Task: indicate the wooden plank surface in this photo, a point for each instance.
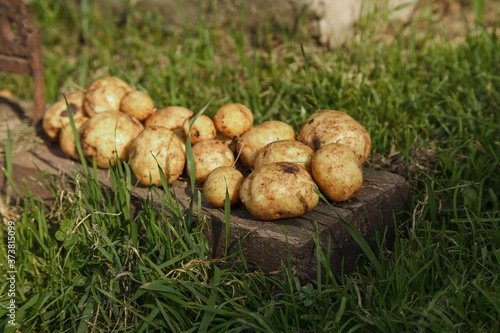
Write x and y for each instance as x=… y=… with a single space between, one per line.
x=382 y=203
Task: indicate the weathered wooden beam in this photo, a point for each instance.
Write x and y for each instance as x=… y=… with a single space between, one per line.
x=21 y=49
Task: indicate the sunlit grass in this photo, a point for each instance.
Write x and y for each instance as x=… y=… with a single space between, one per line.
x=101 y=262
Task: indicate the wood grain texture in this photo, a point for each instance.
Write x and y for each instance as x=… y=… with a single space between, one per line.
x=21 y=49
x=382 y=204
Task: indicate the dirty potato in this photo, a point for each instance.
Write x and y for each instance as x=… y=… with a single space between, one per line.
x=105 y=95
x=337 y=171
x=285 y=151
x=252 y=141
x=138 y=104
x=67 y=140
x=279 y=190
x=171 y=117
x=107 y=135
x=208 y=155
x=57 y=115
x=216 y=183
x=330 y=126
x=232 y=120
x=202 y=129
x=156 y=146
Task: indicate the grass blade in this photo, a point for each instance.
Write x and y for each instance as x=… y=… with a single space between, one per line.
x=358 y=238
x=209 y=315
x=76 y=136
x=85 y=318
x=308 y=75
x=227 y=218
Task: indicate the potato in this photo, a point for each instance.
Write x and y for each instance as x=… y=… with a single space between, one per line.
x=216 y=183
x=208 y=155
x=171 y=117
x=107 y=134
x=156 y=145
x=202 y=129
x=232 y=120
x=67 y=140
x=337 y=171
x=252 y=141
x=285 y=151
x=105 y=95
x=279 y=190
x=138 y=104
x=57 y=115
x=330 y=126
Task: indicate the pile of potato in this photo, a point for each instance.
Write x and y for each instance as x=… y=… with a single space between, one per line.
x=116 y=121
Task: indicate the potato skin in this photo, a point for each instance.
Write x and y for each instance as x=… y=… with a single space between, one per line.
x=202 y=129
x=138 y=104
x=106 y=134
x=232 y=120
x=105 y=95
x=156 y=145
x=330 y=126
x=279 y=190
x=228 y=142
x=171 y=117
x=285 y=151
x=214 y=187
x=208 y=155
x=67 y=140
x=57 y=115
x=252 y=141
x=337 y=171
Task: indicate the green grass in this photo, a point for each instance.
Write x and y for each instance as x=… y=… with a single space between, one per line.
x=96 y=262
